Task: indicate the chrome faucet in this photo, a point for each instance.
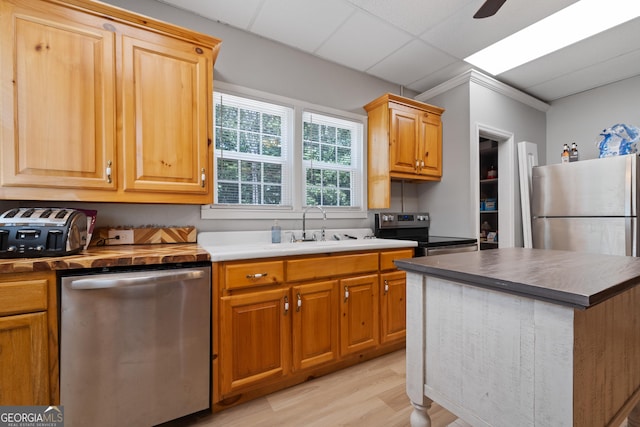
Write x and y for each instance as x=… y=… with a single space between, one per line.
x=304 y=216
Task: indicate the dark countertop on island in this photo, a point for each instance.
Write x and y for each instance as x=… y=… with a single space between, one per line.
x=110 y=256
x=568 y=278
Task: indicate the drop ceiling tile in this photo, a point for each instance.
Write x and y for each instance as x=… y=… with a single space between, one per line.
x=362 y=42
x=410 y=63
x=613 y=70
x=225 y=11
x=413 y=16
x=304 y=24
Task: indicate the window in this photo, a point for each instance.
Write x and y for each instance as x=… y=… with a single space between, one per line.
x=330 y=160
x=274 y=156
x=252 y=140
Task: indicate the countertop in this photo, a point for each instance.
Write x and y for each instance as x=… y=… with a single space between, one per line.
x=110 y=256
x=568 y=278
x=228 y=246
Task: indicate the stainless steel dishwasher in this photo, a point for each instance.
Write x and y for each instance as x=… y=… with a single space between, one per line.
x=135 y=345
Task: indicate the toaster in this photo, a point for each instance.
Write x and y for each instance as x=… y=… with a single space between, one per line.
x=39 y=232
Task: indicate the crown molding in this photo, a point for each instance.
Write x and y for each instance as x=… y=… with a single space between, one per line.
x=474 y=76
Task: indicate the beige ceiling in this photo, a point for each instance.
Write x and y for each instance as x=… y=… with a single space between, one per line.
x=419 y=44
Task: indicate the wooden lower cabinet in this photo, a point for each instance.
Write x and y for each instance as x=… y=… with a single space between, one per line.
x=255 y=344
x=282 y=321
x=393 y=307
x=28 y=339
x=359 y=317
x=315 y=324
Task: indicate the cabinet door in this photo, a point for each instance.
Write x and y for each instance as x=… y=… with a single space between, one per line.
x=404 y=135
x=24 y=374
x=430 y=147
x=393 y=307
x=57 y=78
x=166 y=93
x=315 y=324
x=255 y=343
x=359 y=314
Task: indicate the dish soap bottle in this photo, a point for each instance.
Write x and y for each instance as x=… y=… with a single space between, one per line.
x=276 y=232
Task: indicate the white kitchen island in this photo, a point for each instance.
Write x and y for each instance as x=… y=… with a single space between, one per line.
x=524 y=337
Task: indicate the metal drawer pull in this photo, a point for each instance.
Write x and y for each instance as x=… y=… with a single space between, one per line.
x=299 y=302
x=203 y=177
x=256 y=276
x=386 y=287
x=286 y=305
x=346 y=293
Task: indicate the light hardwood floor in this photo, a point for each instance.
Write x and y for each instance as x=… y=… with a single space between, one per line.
x=371 y=394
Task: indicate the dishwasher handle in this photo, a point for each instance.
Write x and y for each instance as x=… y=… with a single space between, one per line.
x=122 y=282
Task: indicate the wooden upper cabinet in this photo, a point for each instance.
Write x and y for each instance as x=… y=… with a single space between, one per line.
x=404 y=143
x=166 y=118
x=58 y=98
x=100 y=104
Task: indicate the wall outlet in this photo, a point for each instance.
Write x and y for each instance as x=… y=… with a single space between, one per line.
x=120 y=237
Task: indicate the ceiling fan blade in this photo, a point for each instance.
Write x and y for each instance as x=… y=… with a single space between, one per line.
x=489 y=8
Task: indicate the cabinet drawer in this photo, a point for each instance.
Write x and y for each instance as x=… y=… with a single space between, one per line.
x=319 y=267
x=250 y=274
x=386 y=258
x=23 y=296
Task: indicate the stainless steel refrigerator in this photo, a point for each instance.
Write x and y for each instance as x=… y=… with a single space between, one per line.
x=587 y=206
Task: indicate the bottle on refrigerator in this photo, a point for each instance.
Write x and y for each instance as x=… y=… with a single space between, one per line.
x=565 y=154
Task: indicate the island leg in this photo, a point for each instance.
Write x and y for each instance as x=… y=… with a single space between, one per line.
x=634 y=417
x=420 y=415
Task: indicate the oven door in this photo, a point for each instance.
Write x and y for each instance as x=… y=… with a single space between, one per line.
x=441 y=250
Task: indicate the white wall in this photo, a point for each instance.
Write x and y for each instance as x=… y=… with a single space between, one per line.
x=452 y=202
x=447 y=201
x=580 y=118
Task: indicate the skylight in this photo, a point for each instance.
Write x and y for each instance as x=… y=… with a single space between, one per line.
x=579 y=21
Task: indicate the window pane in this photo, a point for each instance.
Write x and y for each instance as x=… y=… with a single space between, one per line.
x=329 y=197
x=272 y=194
x=344 y=156
x=272 y=146
x=313 y=176
x=344 y=137
x=227 y=193
x=328 y=134
x=344 y=179
x=251 y=171
x=227 y=170
x=271 y=124
x=250 y=120
x=228 y=117
x=272 y=173
x=313 y=196
x=250 y=194
x=227 y=140
x=328 y=153
x=329 y=178
x=249 y=143
x=344 y=197
x=311 y=151
x=311 y=132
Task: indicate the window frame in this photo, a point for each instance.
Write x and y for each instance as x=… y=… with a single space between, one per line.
x=296 y=175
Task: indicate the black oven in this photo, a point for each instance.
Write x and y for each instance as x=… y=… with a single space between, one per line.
x=415 y=226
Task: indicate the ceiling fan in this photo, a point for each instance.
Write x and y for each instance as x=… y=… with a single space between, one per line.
x=489 y=8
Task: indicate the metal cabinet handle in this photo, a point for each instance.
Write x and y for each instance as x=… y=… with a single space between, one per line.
x=256 y=275
x=286 y=305
x=122 y=282
x=346 y=293
x=299 y=302
x=203 y=177
x=386 y=286
x=108 y=171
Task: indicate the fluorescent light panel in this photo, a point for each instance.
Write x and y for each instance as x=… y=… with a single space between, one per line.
x=576 y=22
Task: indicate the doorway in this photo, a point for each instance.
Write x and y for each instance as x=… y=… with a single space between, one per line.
x=493 y=179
